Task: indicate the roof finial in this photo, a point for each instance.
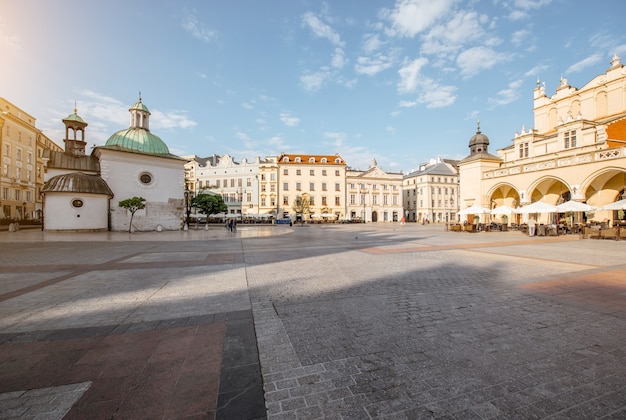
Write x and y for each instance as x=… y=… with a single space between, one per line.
x=75 y=110
x=139 y=96
x=478 y=129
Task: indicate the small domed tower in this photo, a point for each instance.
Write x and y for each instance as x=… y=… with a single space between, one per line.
x=74 y=124
x=479 y=143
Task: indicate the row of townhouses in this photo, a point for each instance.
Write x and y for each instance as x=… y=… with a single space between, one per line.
x=576 y=151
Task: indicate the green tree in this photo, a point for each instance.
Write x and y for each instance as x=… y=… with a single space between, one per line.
x=132 y=205
x=302 y=206
x=209 y=204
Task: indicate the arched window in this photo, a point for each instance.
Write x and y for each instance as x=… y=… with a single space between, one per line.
x=298 y=159
x=311 y=160
x=323 y=160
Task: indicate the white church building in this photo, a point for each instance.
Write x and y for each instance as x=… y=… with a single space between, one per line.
x=82 y=192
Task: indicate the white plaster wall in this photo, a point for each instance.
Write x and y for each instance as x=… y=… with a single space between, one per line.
x=60 y=215
x=164 y=195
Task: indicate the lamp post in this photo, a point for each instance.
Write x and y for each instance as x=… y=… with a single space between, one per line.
x=188 y=198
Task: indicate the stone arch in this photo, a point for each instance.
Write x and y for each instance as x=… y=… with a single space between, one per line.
x=549 y=189
x=503 y=194
x=604 y=186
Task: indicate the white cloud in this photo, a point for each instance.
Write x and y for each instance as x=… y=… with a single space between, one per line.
x=583 y=64
x=338 y=60
x=191 y=25
x=463 y=28
x=337 y=137
x=437 y=96
x=249 y=105
x=314 y=81
x=289 y=120
x=518 y=37
x=476 y=59
x=375 y=64
x=409 y=75
x=171 y=119
x=506 y=96
x=372 y=42
x=410 y=17
x=320 y=29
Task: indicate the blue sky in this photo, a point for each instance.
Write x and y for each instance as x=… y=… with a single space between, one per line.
x=397 y=81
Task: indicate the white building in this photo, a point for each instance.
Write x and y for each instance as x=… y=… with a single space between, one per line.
x=374 y=195
x=431 y=193
x=82 y=192
x=236 y=182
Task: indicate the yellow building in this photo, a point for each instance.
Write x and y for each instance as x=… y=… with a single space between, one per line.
x=22 y=174
x=576 y=151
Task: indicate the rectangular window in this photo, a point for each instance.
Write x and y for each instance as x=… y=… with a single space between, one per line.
x=240 y=182
x=263 y=202
x=272 y=177
x=323 y=186
x=323 y=172
x=248 y=197
x=217 y=183
x=285 y=186
x=285 y=200
x=18 y=194
x=337 y=186
x=248 y=182
x=312 y=200
x=273 y=188
x=18 y=155
x=324 y=201
x=337 y=201
x=375 y=199
x=569 y=139
x=298 y=172
x=5 y=193
x=263 y=188
x=352 y=199
x=336 y=172
x=5 y=169
x=385 y=199
x=262 y=177
x=298 y=186
x=285 y=171
x=312 y=172
x=7 y=149
x=311 y=186
x=29 y=158
x=273 y=201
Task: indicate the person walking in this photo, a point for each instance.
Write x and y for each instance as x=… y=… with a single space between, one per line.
x=531 y=226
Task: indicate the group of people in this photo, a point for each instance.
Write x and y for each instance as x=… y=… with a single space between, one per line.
x=231 y=224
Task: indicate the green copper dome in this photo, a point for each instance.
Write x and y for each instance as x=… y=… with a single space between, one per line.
x=138 y=140
x=74 y=117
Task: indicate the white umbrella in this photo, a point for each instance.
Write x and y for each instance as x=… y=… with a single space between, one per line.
x=506 y=210
x=537 y=207
x=474 y=210
x=574 y=206
x=618 y=205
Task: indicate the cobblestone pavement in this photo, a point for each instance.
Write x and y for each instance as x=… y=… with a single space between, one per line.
x=350 y=321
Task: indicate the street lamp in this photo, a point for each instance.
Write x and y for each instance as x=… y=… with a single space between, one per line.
x=188 y=198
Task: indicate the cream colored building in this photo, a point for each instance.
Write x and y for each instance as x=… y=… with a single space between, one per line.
x=576 y=151
x=319 y=178
x=374 y=195
x=431 y=194
x=21 y=174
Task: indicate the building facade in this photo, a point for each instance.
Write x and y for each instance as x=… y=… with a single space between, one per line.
x=82 y=192
x=576 y=151
x=373 y=195
x=431 y=194
x=236 y=182
x=317 y=180
x=21 y=175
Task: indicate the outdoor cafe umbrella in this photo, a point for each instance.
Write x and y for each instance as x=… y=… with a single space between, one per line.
x=574 y=206
x=500 y=210
x=536 y=207
x=474 y=210
x=617 y=205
